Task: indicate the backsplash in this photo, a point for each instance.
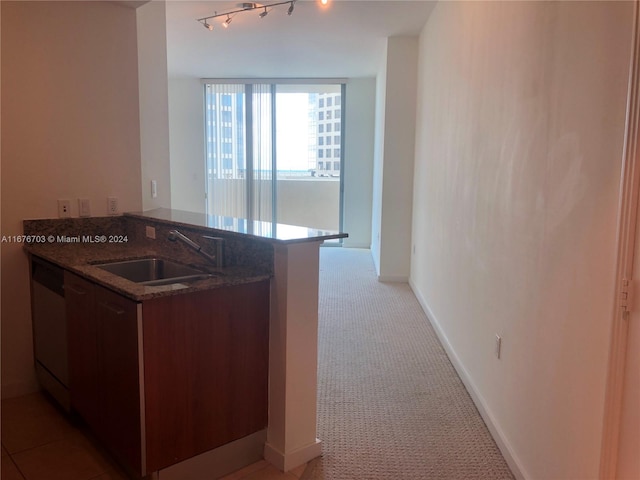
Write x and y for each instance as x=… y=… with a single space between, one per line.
x=238 y=251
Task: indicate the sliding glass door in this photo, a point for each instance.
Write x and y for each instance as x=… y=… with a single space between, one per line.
x=274 y=152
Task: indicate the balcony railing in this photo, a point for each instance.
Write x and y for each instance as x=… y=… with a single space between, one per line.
x=308 y=201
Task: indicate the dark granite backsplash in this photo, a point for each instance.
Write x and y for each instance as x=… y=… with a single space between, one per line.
x=73 y=227
x=237 y=251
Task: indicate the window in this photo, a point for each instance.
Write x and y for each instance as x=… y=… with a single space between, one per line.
x=336 y=153
x=336 y=127
x=336 y=166
x=336 y=113
x=252 y=167
x=338 y=100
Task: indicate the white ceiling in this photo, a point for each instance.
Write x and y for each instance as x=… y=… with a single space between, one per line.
x=345 y=39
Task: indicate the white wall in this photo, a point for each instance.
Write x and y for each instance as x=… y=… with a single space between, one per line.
x=186 y=128
x=69 y=128
x=358 y=161
x=154 y=115
x=378 y=160
x=398 y=153
x=393 y=159
x=521 y=112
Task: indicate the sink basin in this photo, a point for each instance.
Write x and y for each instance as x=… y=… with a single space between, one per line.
x=154 y=271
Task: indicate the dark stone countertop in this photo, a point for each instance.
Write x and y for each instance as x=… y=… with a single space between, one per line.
x=275 y=233
x=81 y=259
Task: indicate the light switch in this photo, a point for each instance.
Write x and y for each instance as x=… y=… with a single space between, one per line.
x=84 y=207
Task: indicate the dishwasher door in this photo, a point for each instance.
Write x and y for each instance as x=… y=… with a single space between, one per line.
x=50 y=329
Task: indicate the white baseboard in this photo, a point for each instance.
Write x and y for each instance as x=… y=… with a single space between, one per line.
x=393 y=278
x=291 y=460
x=219 y=461
x=496 y=432
x=365 y=246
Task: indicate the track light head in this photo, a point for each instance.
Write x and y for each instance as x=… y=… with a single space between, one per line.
x=265 y=9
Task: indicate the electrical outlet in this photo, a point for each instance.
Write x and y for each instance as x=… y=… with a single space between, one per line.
x=150 y=232
x=64 y=208
x=154 y=189
x=112 y=205
x=84 y=207
x=498 y=346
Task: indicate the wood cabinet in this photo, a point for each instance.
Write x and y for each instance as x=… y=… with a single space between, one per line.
x=103 y=366
x=198 y=361
x=206 y=360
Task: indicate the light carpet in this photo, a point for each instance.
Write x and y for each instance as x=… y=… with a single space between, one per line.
x=390 y=404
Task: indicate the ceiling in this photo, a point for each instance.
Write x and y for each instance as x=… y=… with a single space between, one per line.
x=345 y=39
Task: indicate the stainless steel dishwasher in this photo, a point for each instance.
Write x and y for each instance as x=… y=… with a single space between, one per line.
x=50 y=329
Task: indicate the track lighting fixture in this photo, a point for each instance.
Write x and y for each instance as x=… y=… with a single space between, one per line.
x=247 y=7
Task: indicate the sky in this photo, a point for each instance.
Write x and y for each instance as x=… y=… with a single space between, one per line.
x=292 y=131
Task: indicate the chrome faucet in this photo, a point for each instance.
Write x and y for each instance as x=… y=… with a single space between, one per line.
x=217 y=260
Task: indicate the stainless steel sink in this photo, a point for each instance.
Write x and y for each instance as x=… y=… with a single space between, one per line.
x=154 y=271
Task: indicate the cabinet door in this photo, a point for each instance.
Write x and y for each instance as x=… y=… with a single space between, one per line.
x=117 y=319
x=206 y=358
x=82 y=340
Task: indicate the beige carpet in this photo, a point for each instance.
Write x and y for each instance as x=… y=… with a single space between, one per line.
x=390 y=404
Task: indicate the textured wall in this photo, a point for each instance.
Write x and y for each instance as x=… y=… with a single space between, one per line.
x=521 y=111
x=69 y=129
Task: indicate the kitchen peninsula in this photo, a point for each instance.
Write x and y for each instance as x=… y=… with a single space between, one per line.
x=254 y=253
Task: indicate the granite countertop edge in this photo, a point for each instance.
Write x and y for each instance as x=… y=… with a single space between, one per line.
x=81 y=260
x=273 y=241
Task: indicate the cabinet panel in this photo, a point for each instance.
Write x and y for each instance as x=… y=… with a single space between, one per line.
x=82 y=340
x=206 y=370
x=104 y=365
x=117 y=320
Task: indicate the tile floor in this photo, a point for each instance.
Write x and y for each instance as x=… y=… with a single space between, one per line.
x=40 y=443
